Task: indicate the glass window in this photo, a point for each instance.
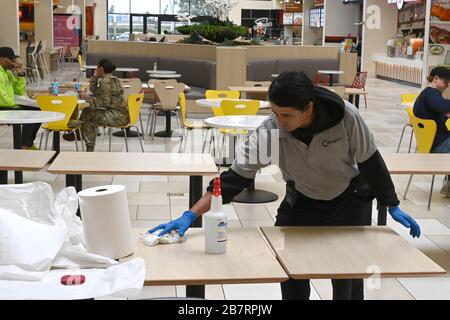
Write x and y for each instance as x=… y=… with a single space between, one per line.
x=138 y=24
x=118 y=6
x=152 y=25
x=145 y=6
x=118 y=26
x=171 y=6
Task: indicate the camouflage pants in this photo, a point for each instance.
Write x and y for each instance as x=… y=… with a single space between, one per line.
x=92 y=118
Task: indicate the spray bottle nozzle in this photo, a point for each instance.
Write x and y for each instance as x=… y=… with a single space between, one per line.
x=217 y=192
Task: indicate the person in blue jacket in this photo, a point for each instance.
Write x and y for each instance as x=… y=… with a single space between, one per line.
x=430 y=104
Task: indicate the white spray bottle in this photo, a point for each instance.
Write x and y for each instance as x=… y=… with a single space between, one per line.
x=216 y=223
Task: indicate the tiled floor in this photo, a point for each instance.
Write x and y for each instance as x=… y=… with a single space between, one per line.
x=154 y=200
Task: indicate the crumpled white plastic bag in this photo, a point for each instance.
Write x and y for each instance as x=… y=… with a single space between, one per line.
x=16 y=273
x=27 y=244
x=123 y=280
x=39 y=231
x=77 y=256
x=33 y=201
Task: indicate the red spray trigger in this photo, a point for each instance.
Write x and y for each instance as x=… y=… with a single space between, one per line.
x=217 y=192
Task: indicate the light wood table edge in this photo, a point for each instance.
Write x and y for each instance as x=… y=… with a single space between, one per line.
x=354 y=276
x=137 y=173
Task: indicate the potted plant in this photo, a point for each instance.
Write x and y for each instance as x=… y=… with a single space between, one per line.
x=219 y=28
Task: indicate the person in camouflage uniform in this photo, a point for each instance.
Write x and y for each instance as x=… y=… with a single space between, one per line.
x=107 y=105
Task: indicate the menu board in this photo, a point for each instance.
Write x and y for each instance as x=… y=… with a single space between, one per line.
x=440 y=22
x=66 y=30
x=288 y=18
x=298 y=19
x=316 y=17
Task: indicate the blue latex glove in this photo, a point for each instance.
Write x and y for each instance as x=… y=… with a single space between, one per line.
x=181 y=224
x=406 y=220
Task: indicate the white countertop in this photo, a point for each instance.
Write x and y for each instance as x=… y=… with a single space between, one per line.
x=380 y=57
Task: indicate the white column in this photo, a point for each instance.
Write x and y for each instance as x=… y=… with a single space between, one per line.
x=82 y=5
x=9 y=24
x=100 y=19
x=43 y=21
x=380 y=25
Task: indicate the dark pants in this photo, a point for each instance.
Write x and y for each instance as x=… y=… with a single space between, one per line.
x=349 y=209
x=29 y=131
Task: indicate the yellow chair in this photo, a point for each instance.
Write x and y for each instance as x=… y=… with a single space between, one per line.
x=64 y=104
x=130 y=86
x=134 y=108
x=229 y=94
x=407 y=98
x=82 y=65
x=189 y=126
x=221 y=94
x=236 y=108
x=425 y=132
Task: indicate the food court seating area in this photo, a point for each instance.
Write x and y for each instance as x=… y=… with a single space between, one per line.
x=262 y=70
x=199 y=75
x=156 y=199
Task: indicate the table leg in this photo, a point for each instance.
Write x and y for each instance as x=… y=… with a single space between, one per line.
x=195 y=193
x=195 y=292
x=56 y=142
x=331 y=80
x=357 y=101
x=227 y=161
x=75 y=180
x=17 y=141
x=382 y=215
x=251 y=195
x=350 y=98
x=3 y=177
x=168 y=132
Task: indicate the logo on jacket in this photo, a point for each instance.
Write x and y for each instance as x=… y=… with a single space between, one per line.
x=326 y=143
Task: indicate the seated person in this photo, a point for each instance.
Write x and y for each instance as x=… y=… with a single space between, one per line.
x=430 y=104
x=12 y=82
x=107 y=105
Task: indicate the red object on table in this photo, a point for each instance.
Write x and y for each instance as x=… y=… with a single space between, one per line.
x=71 y=280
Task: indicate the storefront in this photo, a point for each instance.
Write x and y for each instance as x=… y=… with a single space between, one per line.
x=403 y=59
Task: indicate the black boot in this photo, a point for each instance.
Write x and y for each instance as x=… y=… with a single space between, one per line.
x=71 y=136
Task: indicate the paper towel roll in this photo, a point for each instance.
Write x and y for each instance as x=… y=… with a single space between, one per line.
x=106 y=221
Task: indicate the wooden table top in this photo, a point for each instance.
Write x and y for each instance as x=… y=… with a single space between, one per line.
x=248 y=259
x=117 y=163
x=416 y=163
x=26 y=160
x=347 y=253
x=355 y=91
x=249 y=89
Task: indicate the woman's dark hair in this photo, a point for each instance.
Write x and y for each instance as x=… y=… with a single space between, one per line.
x=107 y=65
x=292 y=89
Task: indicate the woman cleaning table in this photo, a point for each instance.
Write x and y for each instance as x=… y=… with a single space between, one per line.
x=332 y=168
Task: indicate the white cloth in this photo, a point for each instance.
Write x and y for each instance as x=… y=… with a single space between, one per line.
x=38 y=232
x=123 y=280
x=16 y=273
x=42 y=212
x=152 y=239
x=29 y=245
